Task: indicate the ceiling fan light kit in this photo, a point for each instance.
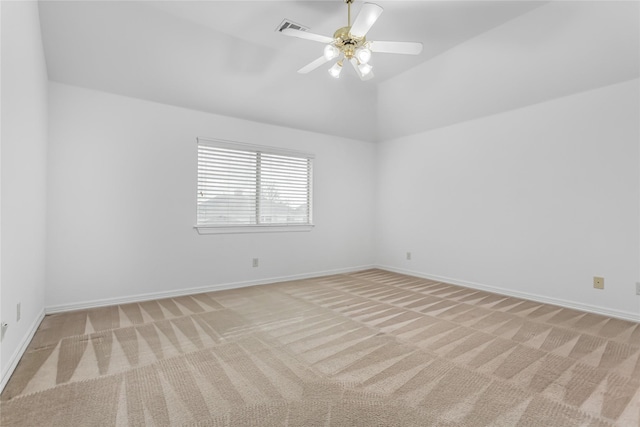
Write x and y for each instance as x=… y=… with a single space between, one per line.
x=336 y=69
x=331 y=52
x=365 y=68
x=350 y=43
x=363 y=55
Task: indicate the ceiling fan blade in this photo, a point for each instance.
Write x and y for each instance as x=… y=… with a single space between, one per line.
x=307 y=35
x=365 y=77
x=366 y=18
x=313 y=65
x=407 y=48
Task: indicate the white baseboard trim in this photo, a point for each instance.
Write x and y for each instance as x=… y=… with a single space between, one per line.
x=190 y=291
x=17 y=355
x=634 y=317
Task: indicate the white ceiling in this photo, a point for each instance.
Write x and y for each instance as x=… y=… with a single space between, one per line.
x=561 y=49
x=225 y=57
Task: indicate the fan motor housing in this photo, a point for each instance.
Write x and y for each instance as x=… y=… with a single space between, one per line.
x=346 y=42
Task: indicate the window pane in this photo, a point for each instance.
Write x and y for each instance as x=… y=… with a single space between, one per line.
x=246 y=186
x=284 y=190
x=226 y=186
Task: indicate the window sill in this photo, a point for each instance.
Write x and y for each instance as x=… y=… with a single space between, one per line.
x=225 y=229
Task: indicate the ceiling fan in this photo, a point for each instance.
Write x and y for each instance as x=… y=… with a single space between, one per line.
x=350 y=44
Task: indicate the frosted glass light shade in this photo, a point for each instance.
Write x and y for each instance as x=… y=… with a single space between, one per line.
x=335 y=70
x=330 y=52
x=363 y=55
x=365 y=69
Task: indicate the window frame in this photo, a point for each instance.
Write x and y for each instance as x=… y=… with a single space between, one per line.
x=254 y=228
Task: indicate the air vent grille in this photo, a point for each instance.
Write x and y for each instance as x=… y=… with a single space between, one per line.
x=287 y=23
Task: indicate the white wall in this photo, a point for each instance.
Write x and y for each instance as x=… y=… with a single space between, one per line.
x=534 y=201
x=122 y=179
x=23 y=177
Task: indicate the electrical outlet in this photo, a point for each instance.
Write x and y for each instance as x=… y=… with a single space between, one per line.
x=255 y=262
x=408 y=256
x=598 y=282
x=637 y=288
x=18 y=312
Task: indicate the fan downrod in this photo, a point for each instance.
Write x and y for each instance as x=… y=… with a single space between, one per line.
x=348 y=2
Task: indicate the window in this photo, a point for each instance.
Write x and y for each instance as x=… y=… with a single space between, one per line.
x=244 y=188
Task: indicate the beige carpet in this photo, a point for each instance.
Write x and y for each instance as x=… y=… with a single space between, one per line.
x=370 y=349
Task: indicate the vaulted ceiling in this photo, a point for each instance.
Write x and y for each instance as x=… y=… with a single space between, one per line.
x=226 y=57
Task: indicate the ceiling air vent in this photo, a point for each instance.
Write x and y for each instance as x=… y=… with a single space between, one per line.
x=290 y=24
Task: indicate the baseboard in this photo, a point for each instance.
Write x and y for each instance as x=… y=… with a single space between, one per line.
x=634 y=317
x=233 y=285
x=176 y=293
x=17 y=355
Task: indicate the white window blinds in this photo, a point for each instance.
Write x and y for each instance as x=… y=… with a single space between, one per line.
x=245 y=185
